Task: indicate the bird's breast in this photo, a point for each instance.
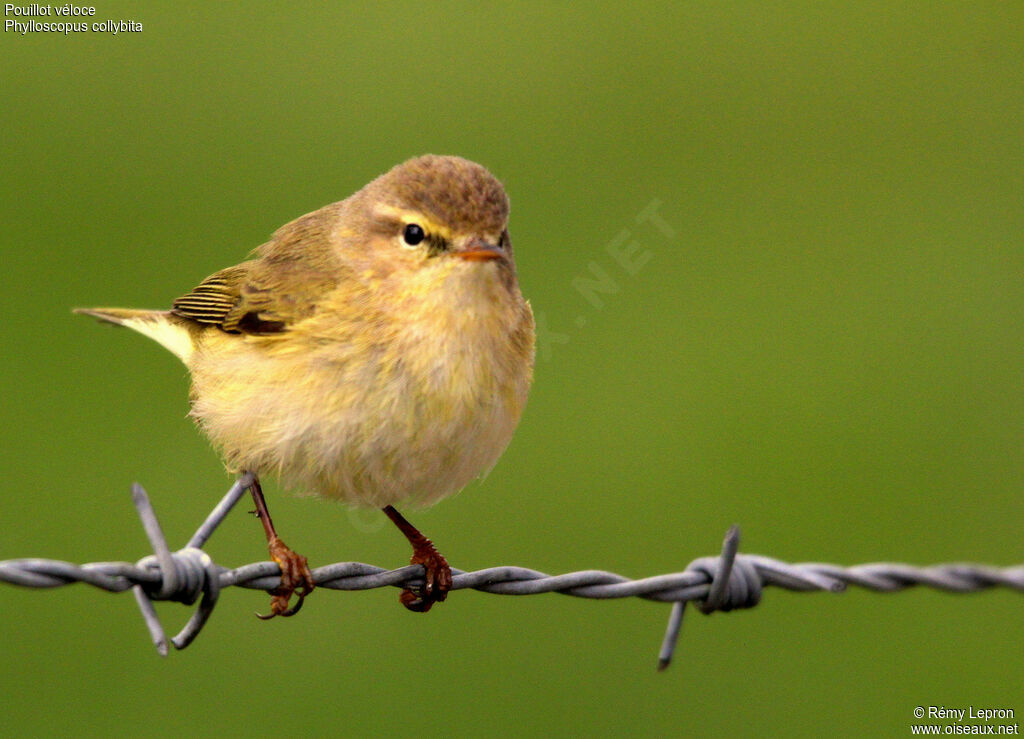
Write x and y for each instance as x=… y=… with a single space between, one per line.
x=380 y=407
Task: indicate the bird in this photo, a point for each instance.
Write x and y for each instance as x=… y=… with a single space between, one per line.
x=377 y=351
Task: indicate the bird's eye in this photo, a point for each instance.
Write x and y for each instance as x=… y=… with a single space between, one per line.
x=413 y=234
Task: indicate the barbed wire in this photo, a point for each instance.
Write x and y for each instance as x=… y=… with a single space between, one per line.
x=727 y=582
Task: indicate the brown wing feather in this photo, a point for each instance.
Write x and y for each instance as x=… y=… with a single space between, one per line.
x=214 y=299
x=269 y=294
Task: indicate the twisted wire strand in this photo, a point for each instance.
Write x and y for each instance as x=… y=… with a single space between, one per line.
x=726 y=582
x=883 y=577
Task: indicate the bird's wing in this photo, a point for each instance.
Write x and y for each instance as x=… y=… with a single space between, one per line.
x=267 y=295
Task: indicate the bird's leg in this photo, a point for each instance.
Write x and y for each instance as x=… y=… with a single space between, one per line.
x=296 y=579
x=437 y=573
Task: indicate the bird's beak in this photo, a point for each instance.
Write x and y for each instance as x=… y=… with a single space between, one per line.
x=479 y=250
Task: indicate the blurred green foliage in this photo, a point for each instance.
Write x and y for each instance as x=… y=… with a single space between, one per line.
x=824 y=346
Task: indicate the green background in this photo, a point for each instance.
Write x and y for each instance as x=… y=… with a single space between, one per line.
x=827 y=351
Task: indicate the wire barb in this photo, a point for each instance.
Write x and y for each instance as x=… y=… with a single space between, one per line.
x=724 y=593
x=723 y=583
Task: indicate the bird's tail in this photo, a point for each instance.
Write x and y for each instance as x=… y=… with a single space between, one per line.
x=121 y=316
x=159 y=325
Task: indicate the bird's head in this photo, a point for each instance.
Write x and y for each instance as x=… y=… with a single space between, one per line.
x=439 y=213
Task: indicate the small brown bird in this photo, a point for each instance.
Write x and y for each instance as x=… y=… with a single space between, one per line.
x=377 y=351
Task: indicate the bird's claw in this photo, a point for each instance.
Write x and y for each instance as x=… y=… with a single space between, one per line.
x=437 y=580
x=296 y=579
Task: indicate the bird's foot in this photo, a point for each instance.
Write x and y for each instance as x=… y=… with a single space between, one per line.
x=437 y=578
x=296 y=579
